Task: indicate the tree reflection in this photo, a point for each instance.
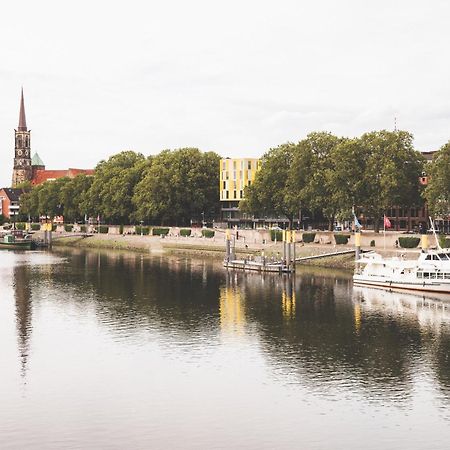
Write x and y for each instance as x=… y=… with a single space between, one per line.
x=312 y=326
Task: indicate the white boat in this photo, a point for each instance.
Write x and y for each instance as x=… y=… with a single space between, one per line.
x=429 y=272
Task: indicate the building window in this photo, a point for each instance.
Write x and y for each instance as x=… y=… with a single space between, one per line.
x=234 y=175
x=226 y=175
x=249 y=165
x=224 y=165
x=249 y=182
x=234 y=194
x=234 y=165
x=240 y=193
x=226 y=194
x=224 y=185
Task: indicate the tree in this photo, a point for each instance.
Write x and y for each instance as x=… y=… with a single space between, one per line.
x=437 y=192
x=312 y=184
x=178 y=186
x=112 y=187
x=348 y=177
x=268 y=195
x=392 y=168
x=72 y=195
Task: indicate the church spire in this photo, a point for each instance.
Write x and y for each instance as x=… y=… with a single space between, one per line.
x=22 y=118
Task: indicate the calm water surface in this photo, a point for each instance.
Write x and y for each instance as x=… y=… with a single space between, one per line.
x=122 y=351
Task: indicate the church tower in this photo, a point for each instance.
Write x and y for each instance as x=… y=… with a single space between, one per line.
x=22 y=157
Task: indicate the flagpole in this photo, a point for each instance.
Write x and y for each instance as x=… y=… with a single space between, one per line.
x=384 y=230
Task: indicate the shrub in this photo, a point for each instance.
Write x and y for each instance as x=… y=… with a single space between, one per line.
x=444 y=241
x=54 y=227
x=408 y=241
x=308 y=237
x=160 y=231
x=120 y=229
x=276 y=234
x=145 y=231
x=68 y=227
x=341 y=239
x=185 y=232
x=372 y=243
x=103 y=229
x=20 y=226
x=208 y=233
x=83 y=228
x=2 y=219
x=35 y=226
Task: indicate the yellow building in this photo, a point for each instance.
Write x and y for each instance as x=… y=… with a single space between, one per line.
x=235 y=175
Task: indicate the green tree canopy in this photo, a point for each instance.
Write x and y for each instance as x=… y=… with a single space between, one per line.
x=112 y=188
x=311 y=181
x=392 y=168
x=178 y=186
x=268 y=195
x=437 y=193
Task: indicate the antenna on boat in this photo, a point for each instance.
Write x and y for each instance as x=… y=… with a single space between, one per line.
x=435 y=235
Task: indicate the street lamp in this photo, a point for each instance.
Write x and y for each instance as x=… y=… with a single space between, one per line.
x=142 y=229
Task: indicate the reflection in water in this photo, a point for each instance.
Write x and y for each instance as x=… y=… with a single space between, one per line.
x=174 y=334
x=428 y=313
x=232 y=314
x=22 y=295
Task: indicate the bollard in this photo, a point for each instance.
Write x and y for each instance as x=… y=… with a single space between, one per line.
x=357 y=245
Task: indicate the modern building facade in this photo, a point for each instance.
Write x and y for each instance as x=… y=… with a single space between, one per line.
x=235 y=175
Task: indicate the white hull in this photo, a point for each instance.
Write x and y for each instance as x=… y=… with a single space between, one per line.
x=430 y=272
x=428 y=286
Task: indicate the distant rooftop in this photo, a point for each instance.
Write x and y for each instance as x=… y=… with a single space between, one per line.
x=37 y=161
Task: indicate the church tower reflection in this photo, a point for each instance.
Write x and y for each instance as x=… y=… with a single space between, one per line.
x=22 y=296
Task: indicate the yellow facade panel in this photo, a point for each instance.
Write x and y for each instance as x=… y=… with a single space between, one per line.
x=235 y=175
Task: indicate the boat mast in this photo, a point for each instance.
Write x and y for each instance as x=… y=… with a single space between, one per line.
x=435 y=235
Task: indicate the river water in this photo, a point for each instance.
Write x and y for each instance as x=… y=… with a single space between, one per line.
x=111 y=350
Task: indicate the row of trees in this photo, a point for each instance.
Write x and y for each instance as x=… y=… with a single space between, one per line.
x=330 y=175
x=322 y=174
x=172 y=187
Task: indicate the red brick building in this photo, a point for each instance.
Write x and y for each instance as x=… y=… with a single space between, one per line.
x=9 y=202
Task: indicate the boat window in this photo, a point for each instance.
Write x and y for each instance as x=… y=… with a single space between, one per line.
x=428 y=257
x=419 y=274
x=426 y=275
x=440 y=276
x=435 y=258
x=443 y=256
x=447 y=276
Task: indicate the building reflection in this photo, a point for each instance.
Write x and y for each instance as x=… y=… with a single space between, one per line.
x=232 y=306
x=22 y=296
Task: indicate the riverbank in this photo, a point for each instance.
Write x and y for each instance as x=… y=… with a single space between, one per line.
x=215 y=247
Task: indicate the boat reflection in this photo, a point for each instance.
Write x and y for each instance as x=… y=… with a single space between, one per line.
x=432 y=310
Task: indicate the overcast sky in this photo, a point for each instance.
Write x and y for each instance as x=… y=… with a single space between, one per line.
x=235 y=77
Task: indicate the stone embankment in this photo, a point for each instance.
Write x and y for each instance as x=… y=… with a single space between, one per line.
x=248 y=242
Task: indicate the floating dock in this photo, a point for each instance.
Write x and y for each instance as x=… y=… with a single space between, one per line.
x=262 y=263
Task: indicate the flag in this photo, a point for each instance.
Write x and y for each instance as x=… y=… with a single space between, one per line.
x=387 y=222
x=357 y=224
